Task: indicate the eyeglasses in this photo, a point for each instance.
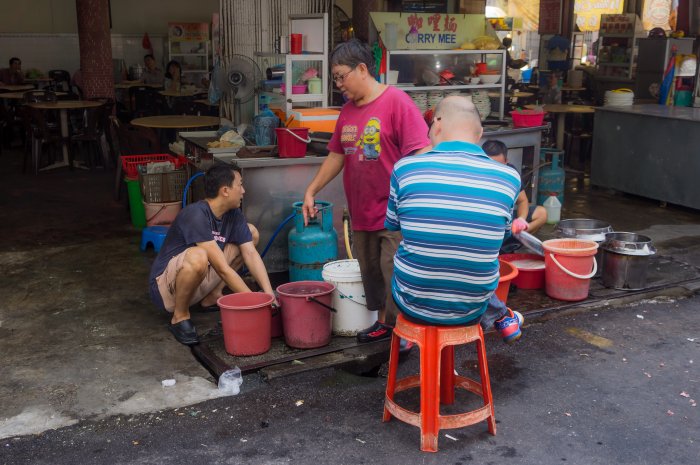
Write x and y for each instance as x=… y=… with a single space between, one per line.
x=341 y=78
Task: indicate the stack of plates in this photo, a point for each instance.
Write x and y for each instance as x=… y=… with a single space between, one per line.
x=434 y=97
x=618 y=98
x=482 y=102
x=420 y=98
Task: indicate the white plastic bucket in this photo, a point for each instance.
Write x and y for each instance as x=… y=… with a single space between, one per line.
x=349 y=301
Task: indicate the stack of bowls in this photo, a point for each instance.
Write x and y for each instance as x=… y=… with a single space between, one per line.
x=482 y=102
x=420 y=98
x=618 y=98
x=434 y=97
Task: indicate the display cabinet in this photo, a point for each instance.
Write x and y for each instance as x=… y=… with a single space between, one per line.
x=430 y=72
x=188 y=44
x=618 y=43
x=314 y=32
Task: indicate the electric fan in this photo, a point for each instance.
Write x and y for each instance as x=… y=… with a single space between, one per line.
x=239 y=77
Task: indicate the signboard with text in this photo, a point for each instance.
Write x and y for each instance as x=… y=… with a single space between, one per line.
x=550 y=17
x=588 y=12
x=429 y=31
x=188 y=32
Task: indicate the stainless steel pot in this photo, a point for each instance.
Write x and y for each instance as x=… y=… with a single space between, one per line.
x=625 y=260
x=586 y=229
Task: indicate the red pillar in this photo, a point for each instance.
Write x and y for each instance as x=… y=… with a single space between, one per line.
x=95 y=48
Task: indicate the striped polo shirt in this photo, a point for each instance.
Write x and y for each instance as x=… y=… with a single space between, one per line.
x=453 y=206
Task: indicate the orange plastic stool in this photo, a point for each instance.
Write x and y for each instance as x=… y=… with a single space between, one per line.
x=437 y=379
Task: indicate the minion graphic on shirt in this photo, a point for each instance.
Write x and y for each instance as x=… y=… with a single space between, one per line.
x=369 y=141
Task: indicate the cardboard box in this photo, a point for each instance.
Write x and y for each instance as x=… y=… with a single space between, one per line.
x=316 y=119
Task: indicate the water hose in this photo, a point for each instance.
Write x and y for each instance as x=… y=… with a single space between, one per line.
x=346 y=232
x=187 y=187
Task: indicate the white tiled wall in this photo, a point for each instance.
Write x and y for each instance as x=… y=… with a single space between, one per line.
x=61 y=51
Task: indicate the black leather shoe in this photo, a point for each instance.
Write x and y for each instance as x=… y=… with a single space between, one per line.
x=199 y=308
x=184 y=332
x=376 y=332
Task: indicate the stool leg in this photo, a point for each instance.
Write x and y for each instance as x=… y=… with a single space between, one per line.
x=485 y=381
x=391 y=376
x=447 y=376
x=429 y=391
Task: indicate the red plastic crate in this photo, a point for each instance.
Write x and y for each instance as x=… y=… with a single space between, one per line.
x=130 y=163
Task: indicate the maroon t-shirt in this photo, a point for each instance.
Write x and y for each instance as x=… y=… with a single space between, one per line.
x=373 y=137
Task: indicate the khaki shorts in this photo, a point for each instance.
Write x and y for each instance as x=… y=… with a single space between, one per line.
x=375 y=251
x=166 y=281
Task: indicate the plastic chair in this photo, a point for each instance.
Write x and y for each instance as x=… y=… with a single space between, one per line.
x=437 y=379
x=60 y=80
x=90 y=134
x=44 y=134
x=145 y=101
x=154 y=235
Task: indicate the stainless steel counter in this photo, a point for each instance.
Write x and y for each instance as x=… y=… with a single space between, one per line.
x=648 y=150
x=658 y=111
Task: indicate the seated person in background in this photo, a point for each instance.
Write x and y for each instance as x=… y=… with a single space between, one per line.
x=173 y=76
x=453 y=206
x=152 y=74
x=206 y=243
x=12 y=75
x=526 y=217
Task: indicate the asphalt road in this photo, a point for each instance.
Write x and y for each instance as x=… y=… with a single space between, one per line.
x=606 y=386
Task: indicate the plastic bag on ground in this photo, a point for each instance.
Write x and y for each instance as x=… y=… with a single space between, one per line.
x=230 y=381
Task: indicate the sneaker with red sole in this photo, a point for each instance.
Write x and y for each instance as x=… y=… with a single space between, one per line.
x=509 y=326
x=376 y=332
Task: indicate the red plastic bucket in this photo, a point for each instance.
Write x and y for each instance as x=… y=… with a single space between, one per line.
x=292 y=142
x=246 y=320
x=508 y=272
x=295 y=44
x=306 y=316
x=528 y=277
x=569 y=265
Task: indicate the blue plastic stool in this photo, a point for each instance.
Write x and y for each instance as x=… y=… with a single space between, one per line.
x=154 y=235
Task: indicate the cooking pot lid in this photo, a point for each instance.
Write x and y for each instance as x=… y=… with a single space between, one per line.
x=627 y=243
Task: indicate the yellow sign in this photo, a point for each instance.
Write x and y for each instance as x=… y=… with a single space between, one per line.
x=588 y=12
x=429 y=31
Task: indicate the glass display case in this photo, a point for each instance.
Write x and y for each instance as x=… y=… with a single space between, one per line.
x=428 y=75
x=618 y=44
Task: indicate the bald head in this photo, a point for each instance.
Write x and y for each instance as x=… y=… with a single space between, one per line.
x=456 y=118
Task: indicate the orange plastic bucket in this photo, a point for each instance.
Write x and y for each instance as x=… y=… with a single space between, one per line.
x=246 y=320
x=508 y=273
x=306 y=313
x=569 y=265
x=292 y=142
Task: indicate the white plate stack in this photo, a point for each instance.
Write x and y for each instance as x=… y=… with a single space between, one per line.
x=434 y=97
x=618 y=98
x=482 y=102
x=420 y=98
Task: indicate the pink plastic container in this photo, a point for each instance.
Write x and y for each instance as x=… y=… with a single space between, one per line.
x=305 y=314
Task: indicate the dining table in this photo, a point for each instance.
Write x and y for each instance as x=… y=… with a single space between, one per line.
x=16 y=87
x=63 y=106
x=176 y=121
x=182 y=93
x=562 y=110
x=20 y=95
x=129 y=84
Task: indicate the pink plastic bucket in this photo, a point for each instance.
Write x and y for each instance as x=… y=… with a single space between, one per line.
x=246 y=320
x=306 y=314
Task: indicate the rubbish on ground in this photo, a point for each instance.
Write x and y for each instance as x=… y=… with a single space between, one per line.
x=451 y=437
x=230 y=381
x=168 y=382
x=641 y=317
x=360 y=441
x=299 y=403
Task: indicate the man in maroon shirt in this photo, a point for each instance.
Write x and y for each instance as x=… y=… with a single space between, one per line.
x=12 y=75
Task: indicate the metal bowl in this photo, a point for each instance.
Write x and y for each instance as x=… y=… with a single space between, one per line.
x=580 y=228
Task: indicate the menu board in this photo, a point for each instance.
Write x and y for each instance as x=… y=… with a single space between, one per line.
x=550 y=17
x=186 y=32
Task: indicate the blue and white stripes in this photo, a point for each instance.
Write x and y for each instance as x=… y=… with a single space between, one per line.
x=453 y=206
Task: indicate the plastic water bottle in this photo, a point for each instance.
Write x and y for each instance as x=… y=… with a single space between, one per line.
x=553 y=207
